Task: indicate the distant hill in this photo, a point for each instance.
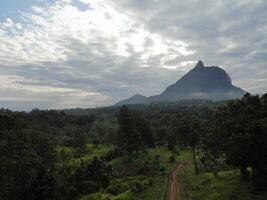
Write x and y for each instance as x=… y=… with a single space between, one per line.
x=136 y=99
x=202 y=82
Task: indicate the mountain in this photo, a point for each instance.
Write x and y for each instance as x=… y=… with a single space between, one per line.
x=202 y=82
x=136 y=99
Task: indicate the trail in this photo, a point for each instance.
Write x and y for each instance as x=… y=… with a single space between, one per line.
x=172 y=193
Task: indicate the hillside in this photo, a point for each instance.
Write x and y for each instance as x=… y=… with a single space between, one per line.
x=202 y=82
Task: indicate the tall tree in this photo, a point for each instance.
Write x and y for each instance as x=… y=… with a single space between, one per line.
x=134 y=133
x=128 y=137
x=190 y=133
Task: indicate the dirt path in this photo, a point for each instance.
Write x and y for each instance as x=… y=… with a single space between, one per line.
x=172 y=194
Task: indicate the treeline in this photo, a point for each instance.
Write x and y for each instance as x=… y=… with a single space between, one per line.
x=35 y=150
x=41 y=151
x=237 y=133
x=230 y=135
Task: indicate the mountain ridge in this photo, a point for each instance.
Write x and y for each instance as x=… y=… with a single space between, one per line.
x=201 y=82
x=136 y=99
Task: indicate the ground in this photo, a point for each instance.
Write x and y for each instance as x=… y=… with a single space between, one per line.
x=228 y=185
x=178 y=181
x=155 y=186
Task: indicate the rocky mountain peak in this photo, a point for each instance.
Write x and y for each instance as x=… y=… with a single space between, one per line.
x=201 y=82
x=199 y=64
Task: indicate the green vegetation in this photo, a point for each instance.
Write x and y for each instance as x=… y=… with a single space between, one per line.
x=135 y=187
x=227 y=186
x=128 y=153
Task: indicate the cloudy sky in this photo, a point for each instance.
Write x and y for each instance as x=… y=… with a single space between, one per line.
x=84 y=53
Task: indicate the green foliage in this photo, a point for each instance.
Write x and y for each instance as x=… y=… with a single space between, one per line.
x=33 y=162
x=211 y=163
x=117 y=189
x=238 y=132
x=111 y=153
x=134 y=132
x=97 y=196
x=172 y=159
x=91 y=177
x=104 y=131
x=25 y=161
x=226 y=186
x=136 y=187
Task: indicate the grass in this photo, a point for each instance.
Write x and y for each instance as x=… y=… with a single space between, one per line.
x=101 y=196
x=91 y=152
x=154 y=191
x=228 y=186
x=158 y=190
x=160 y=182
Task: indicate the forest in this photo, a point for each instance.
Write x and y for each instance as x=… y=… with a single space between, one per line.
x=129 y=152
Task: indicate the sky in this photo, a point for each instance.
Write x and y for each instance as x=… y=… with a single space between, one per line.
x=57 y=54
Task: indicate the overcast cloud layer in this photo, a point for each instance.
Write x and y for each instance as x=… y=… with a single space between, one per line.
x=87 y=53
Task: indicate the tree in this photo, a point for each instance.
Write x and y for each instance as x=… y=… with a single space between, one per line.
x=190 y=132
x=26 y=160
x=212 y=157
x=237 y=131
x=128 y=138
x=134 y=132
x=239 y=134
x=144 y=129
x=90 y=177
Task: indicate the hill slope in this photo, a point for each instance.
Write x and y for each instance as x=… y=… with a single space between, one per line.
x=211 y=83
x=201 y=82
x=136 y=99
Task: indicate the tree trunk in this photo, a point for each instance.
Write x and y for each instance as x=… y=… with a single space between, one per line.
x=195 y=159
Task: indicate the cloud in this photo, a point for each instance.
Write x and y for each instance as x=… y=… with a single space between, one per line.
x=228 y=33
x=81 y=53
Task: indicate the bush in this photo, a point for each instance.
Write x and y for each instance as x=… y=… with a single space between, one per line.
x=157 y=157
x=172 y=159
x=113 y=189
x=148 y=182
x=162 y=168
x=124 y=196
x=117 y=189
x=143 y=165
x=112 y=154
x=95 y=143
x=136 y=187
x=97 y=196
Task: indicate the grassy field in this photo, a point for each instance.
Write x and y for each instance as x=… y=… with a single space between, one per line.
x=228 y=185
x=153 y=186
x=158 y=189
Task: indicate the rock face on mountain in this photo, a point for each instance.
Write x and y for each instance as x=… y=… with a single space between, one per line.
x=211 y=83
x=201 y=82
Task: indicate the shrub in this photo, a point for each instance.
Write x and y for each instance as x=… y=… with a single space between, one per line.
x=148 y=182
x=157 y=157
x=97 y=196
x=117 y=189
x=162 y=168
x=172 y=159
x=95 y=143
x=112 y=154
x=136 y=187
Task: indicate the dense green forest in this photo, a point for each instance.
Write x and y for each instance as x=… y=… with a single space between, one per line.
x=128 y=152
